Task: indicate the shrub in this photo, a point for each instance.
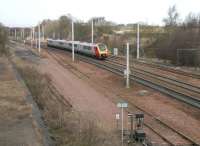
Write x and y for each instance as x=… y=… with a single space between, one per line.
x=3 y=40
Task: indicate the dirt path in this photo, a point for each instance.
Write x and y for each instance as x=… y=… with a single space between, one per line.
x=177 y=114
x=85 y=95
x=94 y=91
x=82 y=96
x=17 y=127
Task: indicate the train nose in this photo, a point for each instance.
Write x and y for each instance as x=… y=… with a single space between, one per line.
x=104 y=55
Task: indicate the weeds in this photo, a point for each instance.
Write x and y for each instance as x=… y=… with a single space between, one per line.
x=3 y=40
x=66 y=127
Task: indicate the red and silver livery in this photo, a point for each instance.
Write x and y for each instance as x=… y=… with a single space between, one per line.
x=97 y=50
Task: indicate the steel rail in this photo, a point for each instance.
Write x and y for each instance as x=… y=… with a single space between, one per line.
x=117 y=70
x=194 y=88
x=160 y=66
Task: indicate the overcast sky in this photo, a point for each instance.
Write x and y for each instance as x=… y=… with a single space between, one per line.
x=30 y=12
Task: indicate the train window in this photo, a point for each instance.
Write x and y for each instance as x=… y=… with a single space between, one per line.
x=70 y=44
x=87 y=48
x=75 y=45
x=61 y=43
x=102 y=47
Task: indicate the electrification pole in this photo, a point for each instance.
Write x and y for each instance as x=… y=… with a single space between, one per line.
x=127 y=66
x=23 y=33
x=72 y=40
x=138 y=41
x=39 y=38
x=15 y=34
x=43 y=32
x=31 y=37
x=92 y=31
x=33 y=33
x=35 y=38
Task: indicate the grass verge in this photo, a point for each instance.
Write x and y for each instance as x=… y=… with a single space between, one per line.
x=67 y=127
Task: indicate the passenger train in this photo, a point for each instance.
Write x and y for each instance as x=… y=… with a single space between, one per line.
x=97 y=50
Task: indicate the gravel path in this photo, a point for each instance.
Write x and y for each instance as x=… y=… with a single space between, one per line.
x=82 y=96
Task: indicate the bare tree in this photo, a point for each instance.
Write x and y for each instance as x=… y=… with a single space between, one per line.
x=64 y=25
x=3 y=39
x=172 y=18
x=192 y=20
x=82 y=32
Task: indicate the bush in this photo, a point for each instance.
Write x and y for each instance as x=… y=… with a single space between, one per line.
x=66 y=127
x=180 y=38
x=3 y=40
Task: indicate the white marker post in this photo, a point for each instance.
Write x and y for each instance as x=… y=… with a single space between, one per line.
x=33 y=33
x=15 y=34
x=117 y=120
x=43 y=32
x=54 y=35
x=127 y=66
x=36 y=46
x=39 y=38
x=92 y=31
x=72 y=40
x=122 y=113
x=122 y=105
x=23 y=34
x=138 y=41
x=31 y=37
x=115 y=51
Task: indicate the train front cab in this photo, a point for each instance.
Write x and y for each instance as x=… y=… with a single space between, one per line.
x=103 y=51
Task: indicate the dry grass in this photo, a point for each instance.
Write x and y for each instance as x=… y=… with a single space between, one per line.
x=16 y=113
x=14 y=86
x=3 y=40
x=66 y=126
x=4 y=50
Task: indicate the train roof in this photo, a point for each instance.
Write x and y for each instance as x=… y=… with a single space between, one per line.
x=75 y=42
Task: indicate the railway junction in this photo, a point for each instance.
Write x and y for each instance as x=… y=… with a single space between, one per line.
x=164 y=107
x=72 y=82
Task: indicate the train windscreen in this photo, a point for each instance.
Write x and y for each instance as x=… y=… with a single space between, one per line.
x=102 y=47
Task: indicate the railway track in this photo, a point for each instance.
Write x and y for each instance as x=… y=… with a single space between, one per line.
x=152 y=122
x=182 y=83
x=159 y=66
x=169 y=68
x=179 y=89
